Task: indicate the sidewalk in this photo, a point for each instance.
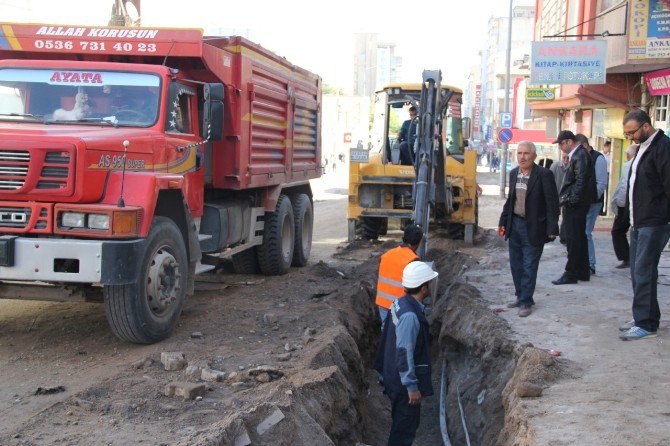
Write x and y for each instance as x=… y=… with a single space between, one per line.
x=617 y=392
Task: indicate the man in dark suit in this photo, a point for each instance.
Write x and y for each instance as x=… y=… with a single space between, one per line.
x=576 y=196
x=529 y=220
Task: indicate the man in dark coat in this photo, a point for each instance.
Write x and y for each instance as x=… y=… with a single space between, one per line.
x=576 y=196
x=529 y=220
x=648 y=201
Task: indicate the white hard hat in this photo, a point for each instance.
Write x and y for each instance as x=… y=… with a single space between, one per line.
x=416 y=274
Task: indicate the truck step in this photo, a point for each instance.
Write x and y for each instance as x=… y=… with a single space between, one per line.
x=200 y=268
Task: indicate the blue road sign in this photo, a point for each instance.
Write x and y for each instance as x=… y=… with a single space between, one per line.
x=505 y=120
x=505 y=135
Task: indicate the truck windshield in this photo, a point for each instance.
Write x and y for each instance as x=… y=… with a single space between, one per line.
x=86 y=97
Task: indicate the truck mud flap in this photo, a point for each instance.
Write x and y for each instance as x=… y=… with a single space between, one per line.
x=121 y=261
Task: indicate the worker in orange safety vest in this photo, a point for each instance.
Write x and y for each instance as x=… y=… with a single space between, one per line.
x=391 y=265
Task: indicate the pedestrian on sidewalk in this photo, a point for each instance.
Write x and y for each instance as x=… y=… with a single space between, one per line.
x=558 y=169
x=529 y=219
x=648 y=201
x=601 y=177
x=621 y=218
x=403 y=357
x=577 y=194
x=391 y=266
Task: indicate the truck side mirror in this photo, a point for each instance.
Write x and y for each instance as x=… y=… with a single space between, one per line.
x=212 y=120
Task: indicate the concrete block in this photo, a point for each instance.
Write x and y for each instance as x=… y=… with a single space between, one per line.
x=188 y=391
x=173 y=360
x=269 y=422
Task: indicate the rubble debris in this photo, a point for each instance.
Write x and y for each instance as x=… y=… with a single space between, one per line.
x=173 y=360
x=269 y=422
x=193 y=373
x=283 y=357
x=196 y=335
x=186 y=390
x=243 y=440
x=212 y=375
x=142 y=363
x=272 y=372
x=49 y=390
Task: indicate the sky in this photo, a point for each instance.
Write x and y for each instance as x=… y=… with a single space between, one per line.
x=315 y=34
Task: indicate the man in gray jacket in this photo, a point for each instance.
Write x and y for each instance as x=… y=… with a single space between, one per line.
x=621 y=220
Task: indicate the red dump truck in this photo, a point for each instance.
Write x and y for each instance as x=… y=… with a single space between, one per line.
x=132 y=159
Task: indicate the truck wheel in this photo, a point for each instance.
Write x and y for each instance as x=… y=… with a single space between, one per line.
x=146 y=311
x=368 y=228
x=303 y=217
x=276 y=252
x=245 y=262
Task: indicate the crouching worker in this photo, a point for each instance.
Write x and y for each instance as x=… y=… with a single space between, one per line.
x=403 y=357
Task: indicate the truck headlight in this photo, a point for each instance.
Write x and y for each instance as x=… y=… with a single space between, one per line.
x=98 y=221
x=73 y=219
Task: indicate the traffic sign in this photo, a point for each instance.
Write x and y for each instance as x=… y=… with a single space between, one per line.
x=505 y=120
x=505 y=135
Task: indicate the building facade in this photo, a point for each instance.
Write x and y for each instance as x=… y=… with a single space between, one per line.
x=638 y=52
x=376 y=63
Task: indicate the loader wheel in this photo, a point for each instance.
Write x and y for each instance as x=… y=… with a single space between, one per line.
x=368 y=228
x=303 y=217
x=276 y=252
x=147 y=311
x=245 y=262
x=384 y=227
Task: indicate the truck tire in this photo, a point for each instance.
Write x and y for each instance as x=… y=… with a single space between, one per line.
x=275 y=254
x=245 y=262
x=303 y=217
x=147 y=311
x=368 y=228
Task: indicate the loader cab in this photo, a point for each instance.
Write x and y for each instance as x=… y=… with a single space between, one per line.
x=391 y=109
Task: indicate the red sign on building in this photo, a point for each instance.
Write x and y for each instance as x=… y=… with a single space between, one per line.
x=478 y=108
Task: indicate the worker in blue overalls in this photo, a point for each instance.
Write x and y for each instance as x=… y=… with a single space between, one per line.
x=403 y=358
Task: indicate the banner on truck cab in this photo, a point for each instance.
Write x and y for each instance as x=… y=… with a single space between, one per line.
x=571 y=62
x=100 y=40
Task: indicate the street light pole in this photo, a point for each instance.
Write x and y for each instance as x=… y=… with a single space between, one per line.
x=503 y=161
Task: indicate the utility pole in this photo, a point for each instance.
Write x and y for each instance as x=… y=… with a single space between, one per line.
x=503 y=161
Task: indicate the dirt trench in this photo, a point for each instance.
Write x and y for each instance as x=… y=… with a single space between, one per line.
x=335 y=398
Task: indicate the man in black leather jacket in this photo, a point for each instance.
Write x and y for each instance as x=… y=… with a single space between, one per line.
x=576 y=196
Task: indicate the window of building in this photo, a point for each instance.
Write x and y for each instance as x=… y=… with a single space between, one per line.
x=661 y=109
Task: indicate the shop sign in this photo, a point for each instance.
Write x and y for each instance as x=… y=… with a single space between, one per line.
x=571 y=62
x=658 y=82
x=540 y=94
x=649 y=36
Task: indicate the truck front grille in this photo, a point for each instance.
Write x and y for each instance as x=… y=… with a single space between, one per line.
x=38 y=170
x=13 y=168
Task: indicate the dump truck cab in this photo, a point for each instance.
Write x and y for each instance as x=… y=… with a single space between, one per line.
x=132 y=159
